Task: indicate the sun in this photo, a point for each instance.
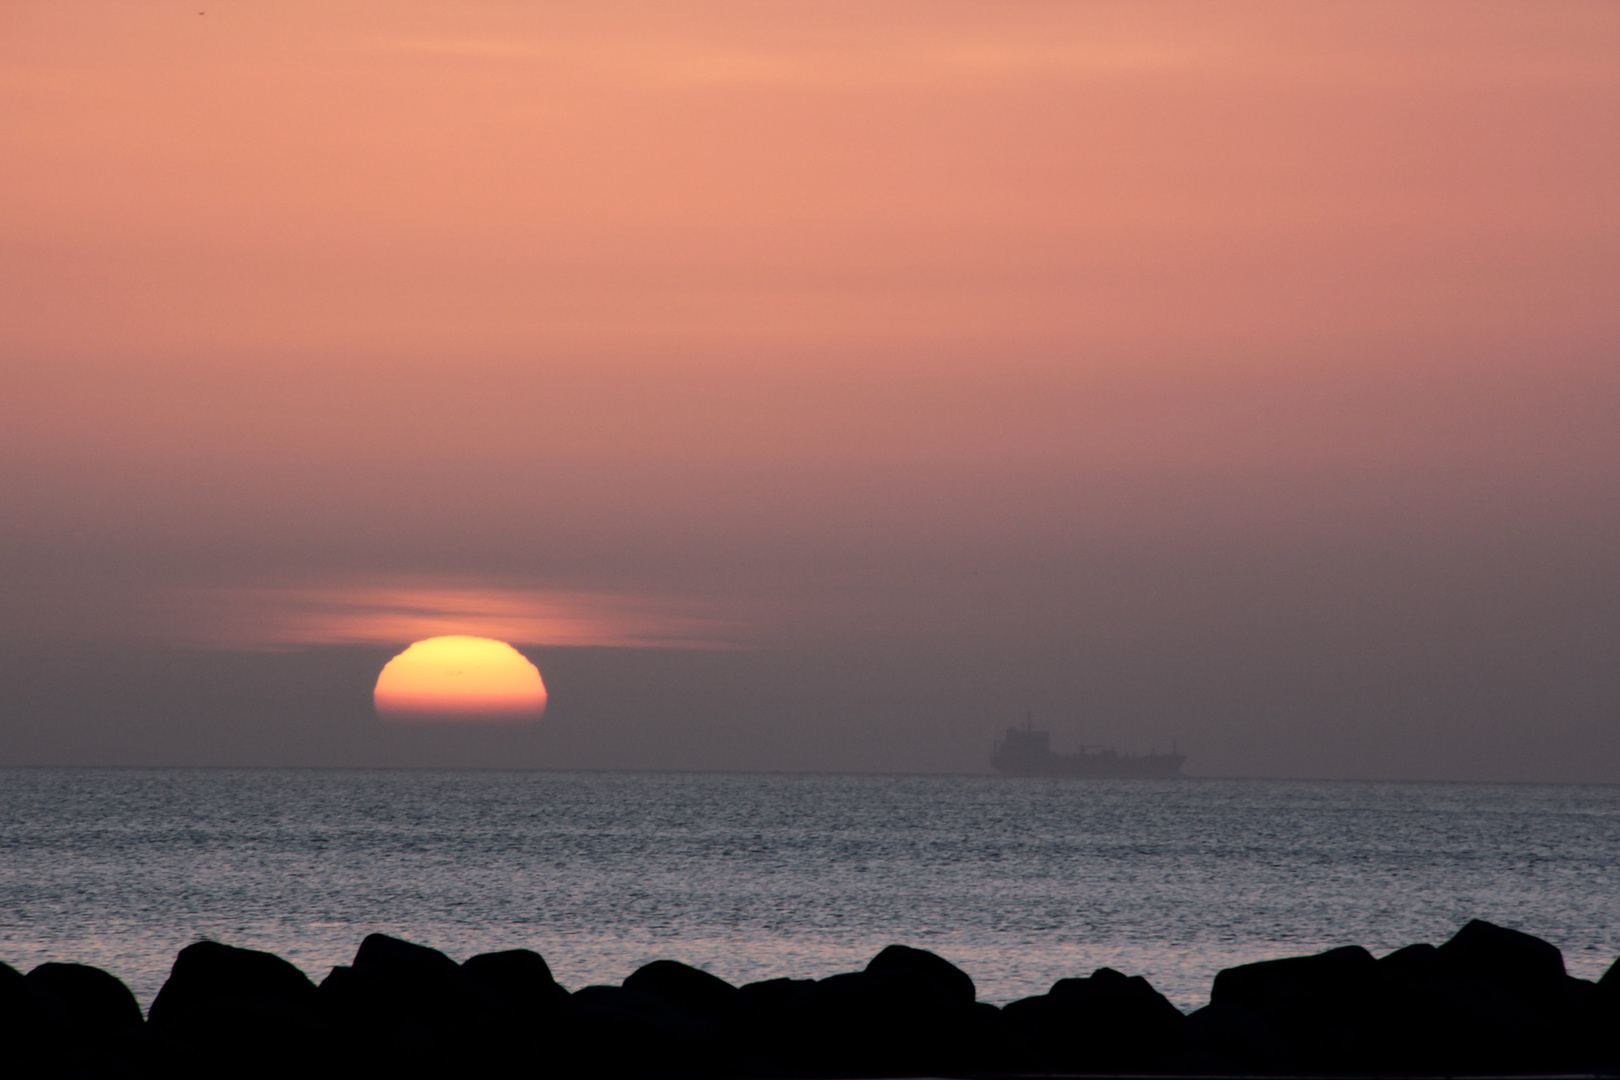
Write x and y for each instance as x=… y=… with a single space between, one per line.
x=460 y=680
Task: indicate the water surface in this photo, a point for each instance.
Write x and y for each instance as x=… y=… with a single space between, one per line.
x=1020 y=881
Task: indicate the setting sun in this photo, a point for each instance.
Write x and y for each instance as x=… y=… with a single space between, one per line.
x=460 y=680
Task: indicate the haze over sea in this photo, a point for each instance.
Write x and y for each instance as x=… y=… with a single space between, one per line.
x=753 y=876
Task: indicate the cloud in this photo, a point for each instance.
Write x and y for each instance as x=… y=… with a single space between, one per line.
x=397 y=612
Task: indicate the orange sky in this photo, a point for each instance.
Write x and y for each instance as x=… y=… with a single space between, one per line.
x=406 y=234
x=757 y=302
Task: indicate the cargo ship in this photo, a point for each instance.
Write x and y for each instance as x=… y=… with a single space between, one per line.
x=1027 y=752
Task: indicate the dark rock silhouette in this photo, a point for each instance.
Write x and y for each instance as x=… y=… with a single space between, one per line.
x=1523 y=965
x=250 y=1013
x=88 y=1024
x=1610 y=983
x=616 y=1031
x=1325 y=1009
x=1228 y=1038
x=913 y=1013
x=1106 y=1023
x=1410 y=961
x=926 y=965
x=207 y=972
x=1600 y=1021
x=380 y=952
x=21 y=1012
x=24 y=1021
x=767 y=998
x=85 y=999
x=690 y=990
x=765 y=1004
x=1491 y=1000
x=521 y=979
x=409 y=1010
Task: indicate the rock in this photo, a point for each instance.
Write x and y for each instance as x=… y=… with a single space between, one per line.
x=411 y=1010
x=1302 y=985
x=380 y=951
x=1409 y=962
x=1227 y=1038
x=1523 y=965
x=1327 y=1007
x=520 y=978
x=989 y=1044
x=897 y=1022
x=1105 y=1023
x=1489 y=1000
x=1408 y=981
x=25 y=1023
x=1610 y=983
x=147 y=1051
x=950 y=978
x=87 y=999
x=207 y=972
x=689 y=989
x=1601 y=1021
x=619 y=1032
x=96 y=1030
x=250 y=1013
x=909 y=1012
x=257 y=1037
x=1476 y=1027
x=768 y=998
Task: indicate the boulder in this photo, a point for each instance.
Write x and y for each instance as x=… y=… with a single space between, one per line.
x=1489 y=1000
x=1337 y=977
x=148 y=1051
x=407 y=1009
x=908 y=1012
x=620 y=1033
x=1224 y=1037
x=1523 y=965
x=897 y=1021
x=1602 y=1021
x=250 y=1013
x=256 y=1037
x=1472 y=1026
x=767 y=999
x=25 y=1025
x=1409 y=962
x=1105 y=1023
x=86 y=999
x=379 y=951
x=689 y=989
x=207 y=972
x=924 y=964
x=521 y=979
x=989 y=1044
x=1326 y=1007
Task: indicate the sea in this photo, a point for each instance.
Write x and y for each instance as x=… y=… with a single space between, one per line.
x=1020 y=881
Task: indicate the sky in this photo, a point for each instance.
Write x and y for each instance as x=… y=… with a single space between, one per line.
x=815 y=386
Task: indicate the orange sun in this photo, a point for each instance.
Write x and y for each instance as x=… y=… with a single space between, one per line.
x=460 y=679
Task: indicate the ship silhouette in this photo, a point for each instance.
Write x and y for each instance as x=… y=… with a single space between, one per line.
x=1027 y=752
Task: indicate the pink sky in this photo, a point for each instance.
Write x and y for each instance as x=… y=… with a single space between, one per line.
x=792 y=318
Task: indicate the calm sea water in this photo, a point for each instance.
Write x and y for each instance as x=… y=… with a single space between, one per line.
x=1021 y=882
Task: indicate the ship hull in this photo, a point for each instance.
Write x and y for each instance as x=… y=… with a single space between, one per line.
x=1027 y=752
x=1150 y=766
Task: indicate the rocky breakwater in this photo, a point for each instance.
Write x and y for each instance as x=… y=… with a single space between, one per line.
x=1489 y=1001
